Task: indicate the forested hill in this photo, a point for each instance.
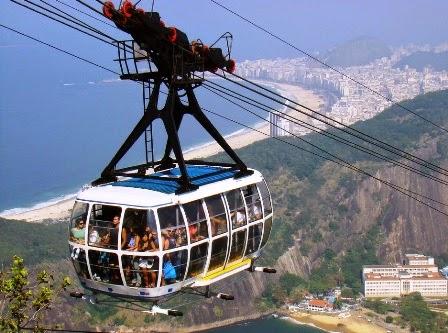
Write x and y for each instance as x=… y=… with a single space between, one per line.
x=357 y=52
x=315 y=199
x=328 y=220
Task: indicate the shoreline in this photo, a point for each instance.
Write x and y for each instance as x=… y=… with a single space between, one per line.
x=238 y=139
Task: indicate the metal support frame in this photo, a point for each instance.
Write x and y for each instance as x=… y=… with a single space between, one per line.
x=171 y=115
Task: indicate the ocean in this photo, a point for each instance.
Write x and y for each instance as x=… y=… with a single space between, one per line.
x=267 y=325
x=56 y=136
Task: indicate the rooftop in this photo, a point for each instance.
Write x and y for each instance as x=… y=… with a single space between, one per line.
x=153 y=192
x=320 y=303
x=199 y=175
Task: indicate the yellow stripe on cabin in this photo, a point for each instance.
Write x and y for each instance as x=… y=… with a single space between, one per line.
x=226 y=270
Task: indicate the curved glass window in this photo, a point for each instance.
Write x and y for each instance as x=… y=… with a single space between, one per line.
x=266 y=198
x=174 y=265
x=140 y=271
x=79 y=260
x=139 y=231
x=267 y=231
x=254 y=238
x=236 y=208
x=197 y=223
x=253 y=203
x=217 y=213
x=172 y=227
x=237 y=247
x=198 y=259
x=104 y=267
x=78 y=222
x=103 y=226
x=219 y=253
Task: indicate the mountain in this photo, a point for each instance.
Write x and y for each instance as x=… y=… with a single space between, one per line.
x=420 y=60
x=357 y=52
x=328 y=220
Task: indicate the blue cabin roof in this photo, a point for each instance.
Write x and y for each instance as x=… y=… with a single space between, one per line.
x=199 y=175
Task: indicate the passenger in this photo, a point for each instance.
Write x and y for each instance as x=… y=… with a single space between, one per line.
x=169 y=272
x=180 y=236
x=218 y=222
x=133 y=240
x=105 y=240
x=146 y=263
x=77 y=234
x=194 y=233
x=114 y=232
x=169 y=238
x=238 y=218
x=94 y=237
x=130 y=265
x=256 y=212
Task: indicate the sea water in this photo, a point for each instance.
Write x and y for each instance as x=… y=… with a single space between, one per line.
x=56 y=136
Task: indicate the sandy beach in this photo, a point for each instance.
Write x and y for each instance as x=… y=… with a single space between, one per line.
x=334 y=324
x=62 y=209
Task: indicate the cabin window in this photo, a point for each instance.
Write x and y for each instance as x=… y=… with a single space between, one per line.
x=217 y=213
x=103 y=226
x=78 y=223
x=197 y=222
x=237 y=247
x=266 y=198
x=219 y=252
x=78 y=257
x=236 y=208
x=140 y=271
x=104 y=267
x=172 y=226
x=254 y=238
x=198 y=259
x=174 y=265
x=253 y=203
x=267 y=231
x=139 y=232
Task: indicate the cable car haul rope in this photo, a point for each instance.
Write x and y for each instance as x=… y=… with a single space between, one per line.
x=148 y=231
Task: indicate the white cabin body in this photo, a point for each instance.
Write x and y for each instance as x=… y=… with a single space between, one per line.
x=137 y=238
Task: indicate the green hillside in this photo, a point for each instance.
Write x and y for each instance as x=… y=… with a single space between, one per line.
x=357 y=52
x=35 y=242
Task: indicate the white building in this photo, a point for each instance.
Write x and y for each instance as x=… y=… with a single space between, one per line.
x=418 y=274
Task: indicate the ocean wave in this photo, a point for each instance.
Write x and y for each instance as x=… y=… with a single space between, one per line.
x=51 y=202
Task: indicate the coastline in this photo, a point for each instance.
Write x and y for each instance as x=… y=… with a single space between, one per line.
x=333 y=324
x=62 y=209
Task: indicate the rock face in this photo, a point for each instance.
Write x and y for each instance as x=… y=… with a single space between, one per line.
x=406 y=226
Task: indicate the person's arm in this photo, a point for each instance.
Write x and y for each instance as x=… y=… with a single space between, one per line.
x=124 y=237
x=137 y=243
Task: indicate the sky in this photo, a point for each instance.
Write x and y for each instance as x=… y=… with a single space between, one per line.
x=311 y=25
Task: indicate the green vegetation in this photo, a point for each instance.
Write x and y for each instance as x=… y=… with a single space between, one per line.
x=25 y=300
x=420 y=60
x=415 y=311
x=379 y=306
x=34 y=242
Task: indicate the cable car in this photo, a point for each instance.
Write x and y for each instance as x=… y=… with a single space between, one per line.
x=192 y=239
x=148 y=231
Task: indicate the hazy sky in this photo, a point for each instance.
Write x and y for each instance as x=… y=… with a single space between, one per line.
x=311 y=25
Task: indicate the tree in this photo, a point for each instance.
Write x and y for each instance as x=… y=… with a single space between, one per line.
x=389 y=319
x=24 y=303
x=337 y=305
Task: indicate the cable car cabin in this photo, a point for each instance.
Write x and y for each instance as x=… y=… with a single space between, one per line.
x=137 y=238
